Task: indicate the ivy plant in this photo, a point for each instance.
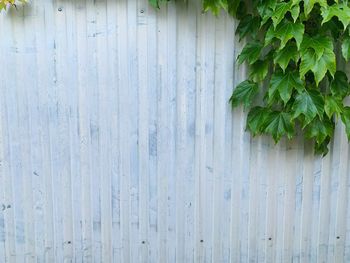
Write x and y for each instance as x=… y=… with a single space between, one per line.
x=6 y=3
x=295 y=51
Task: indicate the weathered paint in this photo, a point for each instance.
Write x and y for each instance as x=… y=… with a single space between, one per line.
x=117 y=144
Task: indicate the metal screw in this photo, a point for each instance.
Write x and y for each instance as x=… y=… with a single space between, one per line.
x=270 y=238
x=338 y=237
x=142 y=11
x=202 y=241
x=60 y=9
x=143 y=242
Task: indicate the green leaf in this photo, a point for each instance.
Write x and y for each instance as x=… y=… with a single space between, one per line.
x=248 y=25
x=285 y=31
x=284 y=84
x=295 y=11
x=214 y=6
x=266 y=10
x=284 y=56
x=309 y=104
x=154 y=3
x=340 y=85
x=259 y=70
x=339 y=10
x=322 y=148
x=333 y=105
x=244 y=94
x=280 y=12
x=309 y=5
x=319 y=67
x=345 y=48
x=250 y=52
x=232 y=6
x=345 y=117
x=279 y=124
x=318 y=43
x=319 y=130
x=256 y=120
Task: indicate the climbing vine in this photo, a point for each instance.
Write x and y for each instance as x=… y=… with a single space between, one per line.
x=295 y=77
x=6 y=3
x=295 y=51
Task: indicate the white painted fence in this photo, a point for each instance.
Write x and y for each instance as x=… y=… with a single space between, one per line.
x=117 y=144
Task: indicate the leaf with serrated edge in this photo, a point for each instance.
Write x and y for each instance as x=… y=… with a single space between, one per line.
x=250 y=52
x=339 y=85
x=244 y=93
x=319 y=129
x=308 y=103
x=285 y=31
x=345 y=117
x=284 y=56
x=345 y=48
x=259 y=70
x=284 y=83
x=279 y=124
x=333 y=105
x=256 y=120
x=319 y=67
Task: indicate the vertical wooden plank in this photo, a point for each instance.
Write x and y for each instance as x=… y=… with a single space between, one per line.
x=342 y=198
x=143 y=123
x=200 y=150
x=227 y=185
x=181 y=131
x=280 y=200
x=152 y=97
x=45 y=43
x=73 y=241
x=290 y=169
x=240 y=167
x=114 y=169
x=16 y=117
x=273 y=159
x=7 y=200
x=104 y=119
x=163 y=135
x=306 y=206
x=172 y=91
x=207 y=186
x=124 y=128
x=84 y=134
x=334 y=192
x=324 y=212
x=220 y=101
x=132 y=112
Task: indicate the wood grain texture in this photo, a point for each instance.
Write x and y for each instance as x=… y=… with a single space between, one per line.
x=118 y=144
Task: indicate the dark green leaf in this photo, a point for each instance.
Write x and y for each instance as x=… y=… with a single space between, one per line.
x=284 y=83
x=256 y=120
x=319 y=67
x=333 y=105
x=309 y=104
x=285 y=31
x=244 y=93
x=345 y=48
x=259 y=70
x=284 y=56
x=248 y=25
x=345 y=117
x=309 y=4
x=339 y=85
x=319 y=130
x=250 y=52
x=279 y=124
